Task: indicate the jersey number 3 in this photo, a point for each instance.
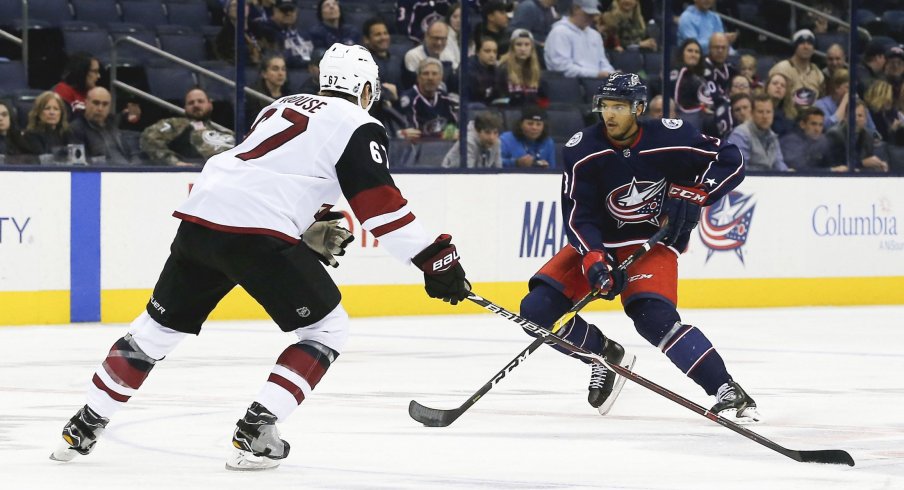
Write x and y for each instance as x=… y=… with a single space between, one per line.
x=299 y=125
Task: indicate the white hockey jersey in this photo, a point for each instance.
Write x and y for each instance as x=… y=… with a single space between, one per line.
x=300 y=154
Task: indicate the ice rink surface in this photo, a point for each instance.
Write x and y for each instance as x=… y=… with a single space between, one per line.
x=824 y=378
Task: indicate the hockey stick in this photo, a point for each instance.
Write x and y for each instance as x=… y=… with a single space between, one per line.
x=825 y=456
x=433 y=417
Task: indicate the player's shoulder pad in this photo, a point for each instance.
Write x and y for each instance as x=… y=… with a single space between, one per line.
x=668 y=129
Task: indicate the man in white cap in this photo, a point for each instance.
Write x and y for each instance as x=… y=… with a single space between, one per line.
x=574 y=47
x=799 y=69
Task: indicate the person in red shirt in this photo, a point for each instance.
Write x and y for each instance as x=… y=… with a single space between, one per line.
x=81 y=75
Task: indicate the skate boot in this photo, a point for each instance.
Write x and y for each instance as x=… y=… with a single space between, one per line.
x=605 y=385
x=257 y=442
x=735 y=404
x=80 y=434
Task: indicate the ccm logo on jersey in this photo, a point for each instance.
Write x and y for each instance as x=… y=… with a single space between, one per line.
x=688 y=193
x=443 y=264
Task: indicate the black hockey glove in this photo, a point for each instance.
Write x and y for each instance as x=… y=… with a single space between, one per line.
x=327 y=239
x=444 y=278
x=682 y=206
x=608 y=282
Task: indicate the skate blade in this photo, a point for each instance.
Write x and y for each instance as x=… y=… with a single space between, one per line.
x=627 y=363
x=748 y=416
x=245 y=461
x=63 y=453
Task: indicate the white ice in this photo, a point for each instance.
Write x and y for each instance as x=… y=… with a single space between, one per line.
x=824 y=378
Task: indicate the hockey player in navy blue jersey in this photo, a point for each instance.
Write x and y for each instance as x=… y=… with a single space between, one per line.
x=622 y=178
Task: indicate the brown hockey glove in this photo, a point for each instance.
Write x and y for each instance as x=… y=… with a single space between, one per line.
x=327 y=239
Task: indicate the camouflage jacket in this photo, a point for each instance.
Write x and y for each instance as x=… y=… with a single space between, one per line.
x=181 y=139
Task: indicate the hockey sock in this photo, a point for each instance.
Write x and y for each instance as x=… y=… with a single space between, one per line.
x=685 y=345
x=297 y=371
x=119 y=376
x=544 y=305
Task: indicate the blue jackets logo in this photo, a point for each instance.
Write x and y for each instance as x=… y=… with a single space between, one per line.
x=636 y=202
x=724 y=225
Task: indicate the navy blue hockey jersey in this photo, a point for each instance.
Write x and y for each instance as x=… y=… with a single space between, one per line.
x=613 y=196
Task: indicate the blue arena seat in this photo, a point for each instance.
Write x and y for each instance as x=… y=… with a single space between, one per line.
x=186 y=45
x=564 y=123
x=564 y=90
x=430 y=153
x=83 y=38
x=101 y=12
x=146 y=13
x=125 y=50
x=51 y=11
x=12 y=76
x=190 y=14
x=170 y=82
x=217 y=90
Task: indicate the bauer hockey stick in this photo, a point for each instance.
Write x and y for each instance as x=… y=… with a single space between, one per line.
x=825 y=456
x=434 y=417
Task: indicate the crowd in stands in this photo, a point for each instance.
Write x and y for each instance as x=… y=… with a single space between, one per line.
x=532 y=65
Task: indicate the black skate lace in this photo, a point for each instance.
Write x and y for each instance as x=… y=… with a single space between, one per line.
x=597 y=376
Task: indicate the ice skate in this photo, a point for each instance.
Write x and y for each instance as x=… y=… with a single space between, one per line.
x=605 y=385
x=80 y=434
x=735 y=404
x=256 y=440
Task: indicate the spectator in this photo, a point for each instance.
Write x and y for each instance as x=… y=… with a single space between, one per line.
x=282 y=35
x=312 y=84
x=494 y=25
x=453 y=44
x=377 y=40
x=717 y=71
x=483 y=143
x=271 y=81
x=741 y=109
x=806 y=147
x=626 y=28
x=98 y=130
x=758 y=144
x=691 y=91
x=872 y=67
x=186 y=141
x=48 y=126
x=537 y=16
x=431 y=113
x=699 y=22
x=879 y=100
x=723 y=118
x=528 y=144
x=576 y=49
x=81 y=75
x=482 y=73
x=12 y=144
x=835 y=59
x=224 y=43
x=865 y=152
x=777 y=90
x=518 y=76
x=332 y=29
x=894 y=66
x=747 y=67
x=415 y=16
x=435 y=41
x=835 y=105
x=655 y=111
x=799 y=68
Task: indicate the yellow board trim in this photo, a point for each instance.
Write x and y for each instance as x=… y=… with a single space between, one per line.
x=121 y=306
x=34 y=307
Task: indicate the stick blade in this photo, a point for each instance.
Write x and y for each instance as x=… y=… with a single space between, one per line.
x=827 y=456
x=432 y=417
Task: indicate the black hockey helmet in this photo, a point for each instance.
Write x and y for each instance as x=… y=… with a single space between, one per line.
x=622 y=86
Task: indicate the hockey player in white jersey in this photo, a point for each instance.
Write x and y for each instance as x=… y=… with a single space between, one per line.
x=252 y=219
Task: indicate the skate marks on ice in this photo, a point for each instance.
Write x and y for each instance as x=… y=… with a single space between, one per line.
x=820 y=384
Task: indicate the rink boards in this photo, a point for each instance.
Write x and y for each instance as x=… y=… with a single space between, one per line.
x=88 y=246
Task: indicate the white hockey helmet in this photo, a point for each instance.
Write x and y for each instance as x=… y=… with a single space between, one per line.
x=347 y=69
